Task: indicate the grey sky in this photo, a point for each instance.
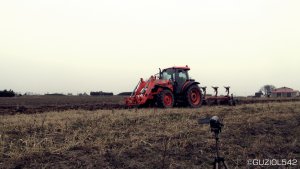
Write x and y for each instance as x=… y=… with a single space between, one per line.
x=81 y=46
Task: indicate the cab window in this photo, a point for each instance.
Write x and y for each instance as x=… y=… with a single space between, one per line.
x=182 y=76
x=167 y=75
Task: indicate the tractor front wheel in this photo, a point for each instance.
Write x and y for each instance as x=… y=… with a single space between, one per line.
x=194 y=97
x=165 y=99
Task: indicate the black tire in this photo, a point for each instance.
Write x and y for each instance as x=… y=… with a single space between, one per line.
x=193 y=97
x=233 y=102
x=230 y=102
x=165 y=99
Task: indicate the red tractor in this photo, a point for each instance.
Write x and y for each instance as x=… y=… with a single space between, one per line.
x=170 y=87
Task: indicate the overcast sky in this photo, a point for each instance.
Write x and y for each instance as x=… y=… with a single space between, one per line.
x=82 y=46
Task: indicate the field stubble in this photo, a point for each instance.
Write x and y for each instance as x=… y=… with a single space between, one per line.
x=149 y=138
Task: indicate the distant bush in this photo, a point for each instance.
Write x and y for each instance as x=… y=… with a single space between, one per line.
x=82 y=94
x=7 y=93
x=125 y=94
x=101 y=93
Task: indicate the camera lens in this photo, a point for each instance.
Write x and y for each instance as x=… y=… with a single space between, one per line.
x=215 y=124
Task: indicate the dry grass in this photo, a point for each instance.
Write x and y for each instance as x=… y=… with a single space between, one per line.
x=148 y=138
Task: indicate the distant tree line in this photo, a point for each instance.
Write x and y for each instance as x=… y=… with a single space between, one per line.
x=125 y=94
x=54 y=94
x=7 y=93
x=11 y=93
x=101 y=93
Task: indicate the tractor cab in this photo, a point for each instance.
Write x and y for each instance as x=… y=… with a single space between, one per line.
x=178 y=76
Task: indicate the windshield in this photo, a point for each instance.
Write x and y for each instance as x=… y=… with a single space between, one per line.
x=167 y=74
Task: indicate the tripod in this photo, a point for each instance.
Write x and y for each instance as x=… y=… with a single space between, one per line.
x=218 y=160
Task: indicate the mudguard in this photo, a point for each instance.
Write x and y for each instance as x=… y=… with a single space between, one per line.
x=187 y=85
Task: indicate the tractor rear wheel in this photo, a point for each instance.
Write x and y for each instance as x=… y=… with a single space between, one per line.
x=193 y=97
x=165 y=99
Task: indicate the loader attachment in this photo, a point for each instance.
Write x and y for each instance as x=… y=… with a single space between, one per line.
x=146 y=91
x=138 y=96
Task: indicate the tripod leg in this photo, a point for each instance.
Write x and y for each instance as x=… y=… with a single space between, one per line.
x=225 y=165
x=216 y=165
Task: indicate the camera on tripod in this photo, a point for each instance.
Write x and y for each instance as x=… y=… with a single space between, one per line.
x=215 y=125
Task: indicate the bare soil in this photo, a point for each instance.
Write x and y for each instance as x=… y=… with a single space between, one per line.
x=39 y=104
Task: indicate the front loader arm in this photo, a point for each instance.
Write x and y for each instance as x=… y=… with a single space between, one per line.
x=139 y=87
x=142 y=92
x=137 y=98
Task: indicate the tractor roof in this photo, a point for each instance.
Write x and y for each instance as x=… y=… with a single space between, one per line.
x=179 y=67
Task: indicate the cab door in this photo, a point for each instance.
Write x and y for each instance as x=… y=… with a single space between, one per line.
x=181 y=78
